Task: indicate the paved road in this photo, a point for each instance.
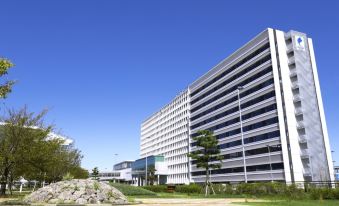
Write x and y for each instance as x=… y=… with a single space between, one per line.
x=188 y=202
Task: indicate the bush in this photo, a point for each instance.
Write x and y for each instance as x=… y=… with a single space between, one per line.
x=189 y=189
x=156 y=188
x=294 y=192
x=132 y=190
x=324 y=193
x=260 y=189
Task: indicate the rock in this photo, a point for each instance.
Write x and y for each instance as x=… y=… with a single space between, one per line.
x=81 y=201
x=53 y=201
x=77 y=191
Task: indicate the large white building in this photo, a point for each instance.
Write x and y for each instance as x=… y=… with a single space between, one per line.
x=279 y=133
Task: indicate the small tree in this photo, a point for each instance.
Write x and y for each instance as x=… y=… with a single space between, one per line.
x=208 y=151
x=95 y=173
x=151 y=175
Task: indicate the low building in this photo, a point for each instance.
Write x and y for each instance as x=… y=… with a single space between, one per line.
x=125 y=172
x=142 y=174
x=106 y=176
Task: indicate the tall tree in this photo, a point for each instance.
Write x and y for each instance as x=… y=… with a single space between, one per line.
x=17 y=134
x=207 y=153
x=6 y=86
x=26 y=150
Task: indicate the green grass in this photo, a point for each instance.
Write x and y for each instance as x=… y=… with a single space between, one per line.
x=129 y=190
x=293 y=203
x=184 y=195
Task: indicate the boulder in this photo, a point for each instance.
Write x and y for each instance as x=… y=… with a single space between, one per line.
x=77 y=191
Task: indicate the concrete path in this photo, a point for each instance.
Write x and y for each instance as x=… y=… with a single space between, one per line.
x=188 y=202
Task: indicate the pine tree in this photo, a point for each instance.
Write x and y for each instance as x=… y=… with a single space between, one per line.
x=207 y=153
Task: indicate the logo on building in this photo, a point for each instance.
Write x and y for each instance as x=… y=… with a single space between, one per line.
x=299 y=43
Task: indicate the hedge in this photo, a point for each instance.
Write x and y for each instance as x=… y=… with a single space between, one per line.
x=156 y=188
x=189 y=189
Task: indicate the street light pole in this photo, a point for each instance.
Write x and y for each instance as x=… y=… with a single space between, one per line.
x=114 y=162
x=269 y=159
x=146 y=172
x=242 y=133
x=114 y=159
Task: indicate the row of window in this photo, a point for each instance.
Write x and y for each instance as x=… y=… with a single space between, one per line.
x=257 y=151
x=263 y=167
x=229 y=101
x=237 y=119
x=245 y=128
x=254 y=89
x=232 y=78
x=235 y=109
x=247 y=140
x=181 y=98
x=234 y=88
x=227 y=71
x=164 y=123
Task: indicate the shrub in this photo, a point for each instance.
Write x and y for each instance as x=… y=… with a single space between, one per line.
x=68 y=176
x=324 y=193
x=156 y=188
x=189 y=189
x=132 y=190
x=294 y=192
x=336 y=193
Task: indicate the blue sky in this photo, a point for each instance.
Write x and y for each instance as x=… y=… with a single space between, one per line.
x=104 y=66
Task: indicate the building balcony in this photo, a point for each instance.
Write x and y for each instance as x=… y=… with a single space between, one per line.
x=295 y=85
x=296 y=98
x=293 y=72
x=300 y=125
x=289 y=48
x=302 y=139
x=304 y=154
x=307 y=172
x=298 y=111
x=291 y=60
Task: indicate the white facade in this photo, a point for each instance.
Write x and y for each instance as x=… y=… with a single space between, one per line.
x=166 y=133
x=282 y=133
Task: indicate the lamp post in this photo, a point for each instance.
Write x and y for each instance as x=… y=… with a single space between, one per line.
x=269 y=159
x=241 y=131
x=146 y=172
x=114 y=162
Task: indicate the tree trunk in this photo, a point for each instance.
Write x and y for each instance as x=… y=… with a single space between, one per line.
x=10 y=184
x=4 y=182
x=206 y=182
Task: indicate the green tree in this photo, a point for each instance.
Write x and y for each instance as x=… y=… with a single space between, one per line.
x=95 y=173
x=5 y=87
x=26 y=150
x=17 y=134
x=79 y=173
x=151 y=177
x=207 y=153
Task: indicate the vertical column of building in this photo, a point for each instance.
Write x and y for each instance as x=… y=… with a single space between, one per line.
x=307 y=136
x=321 y=112
x=280 y=108
x=166 y=133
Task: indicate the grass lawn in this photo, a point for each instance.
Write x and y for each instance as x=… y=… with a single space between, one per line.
x=183 y=195
x=293 y=203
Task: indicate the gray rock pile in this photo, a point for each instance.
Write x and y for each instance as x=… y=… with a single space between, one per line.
x=77 y=191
